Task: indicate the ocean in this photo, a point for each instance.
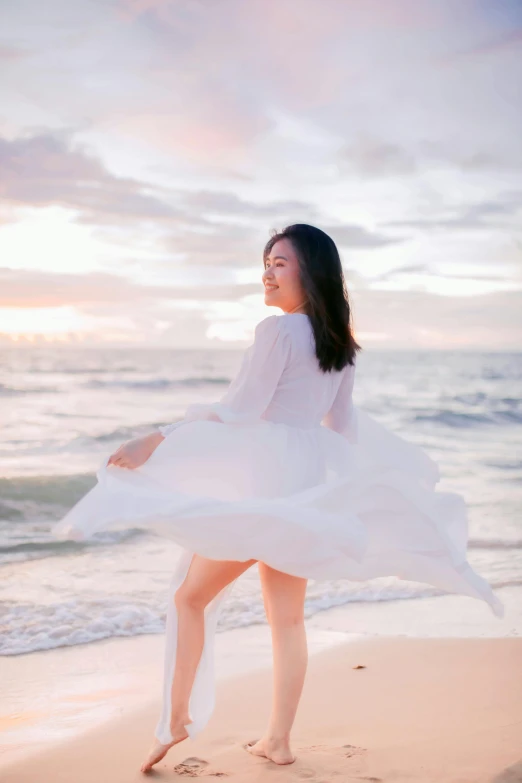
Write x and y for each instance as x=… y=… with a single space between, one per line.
x=64 y=409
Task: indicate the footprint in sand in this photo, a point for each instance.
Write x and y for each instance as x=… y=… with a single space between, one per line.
x=348 y=751
x=354 y=750
x=193 y=767
x=512 y=774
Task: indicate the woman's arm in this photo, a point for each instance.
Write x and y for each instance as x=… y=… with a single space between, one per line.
x=250 y=392
x=342 y=415
x=245 y=400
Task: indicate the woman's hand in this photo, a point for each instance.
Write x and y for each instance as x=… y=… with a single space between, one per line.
x=135 y=452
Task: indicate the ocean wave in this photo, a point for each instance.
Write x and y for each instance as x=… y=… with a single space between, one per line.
x=43 y=497
x=510 y=372
x=473 y=399
x=515 y=464
x=10 y=512
x=509 y=417
x=494 y=543
x=15 y=391
x=156 y=383
x=455 y=419
x=120 y=433
x=37 y=550
x=28 y=628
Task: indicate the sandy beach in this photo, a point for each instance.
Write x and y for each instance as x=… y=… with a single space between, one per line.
x=261 y=301
x=396 y=709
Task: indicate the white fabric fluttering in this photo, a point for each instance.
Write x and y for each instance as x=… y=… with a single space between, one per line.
x=286 y=470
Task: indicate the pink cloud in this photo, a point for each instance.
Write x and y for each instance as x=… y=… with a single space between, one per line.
x=24 y=288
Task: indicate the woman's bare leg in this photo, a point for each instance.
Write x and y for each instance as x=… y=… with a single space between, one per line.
x=204 y=580
x=284 y=597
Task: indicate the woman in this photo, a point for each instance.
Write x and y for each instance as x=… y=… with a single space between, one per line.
x=285 y=471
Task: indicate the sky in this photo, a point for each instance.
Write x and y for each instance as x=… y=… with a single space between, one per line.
x=149 y=147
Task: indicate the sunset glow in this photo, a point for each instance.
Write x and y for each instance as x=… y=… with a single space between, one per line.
x=139 y=186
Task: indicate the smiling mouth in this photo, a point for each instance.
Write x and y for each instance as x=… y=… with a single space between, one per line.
x=271 y=287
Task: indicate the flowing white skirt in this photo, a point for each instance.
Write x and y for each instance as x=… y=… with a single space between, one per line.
x=305 y=501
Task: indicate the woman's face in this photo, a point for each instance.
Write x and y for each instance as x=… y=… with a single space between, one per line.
x=281 y=278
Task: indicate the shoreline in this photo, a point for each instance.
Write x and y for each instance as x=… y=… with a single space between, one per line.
x=385 y=708
x=94 y=683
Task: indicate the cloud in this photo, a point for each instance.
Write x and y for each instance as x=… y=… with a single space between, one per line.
x=235 y=244
x=490 y=46
x=139 y=69
x=198 y=126
x=30 y=288
x=407 y=318
x=412 y=318
x=371 y=157
x=47 y=169
x=206 y=226
x=425 y=271
x=226 y=204
x=481 y=216
x=374 y=158
x=10 y=53
x=409 y=269
x=352 y=236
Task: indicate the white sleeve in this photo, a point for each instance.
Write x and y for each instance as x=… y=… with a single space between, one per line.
x=342 y=416
x=251 y=390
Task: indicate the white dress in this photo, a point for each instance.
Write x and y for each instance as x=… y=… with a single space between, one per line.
x=285 y=469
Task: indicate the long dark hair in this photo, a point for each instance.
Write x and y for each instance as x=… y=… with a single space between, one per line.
x=328 y=305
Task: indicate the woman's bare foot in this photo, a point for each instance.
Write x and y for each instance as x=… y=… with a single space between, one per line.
x=159 y=750
x=275 y=750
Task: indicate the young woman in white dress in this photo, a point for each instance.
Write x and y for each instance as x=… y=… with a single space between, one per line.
x=284 y=470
